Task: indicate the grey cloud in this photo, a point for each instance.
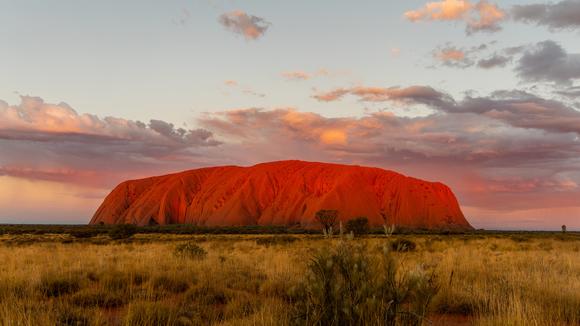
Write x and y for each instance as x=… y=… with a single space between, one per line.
x=570 y=92
x=493 y=62
x=548 y=61
x=458 y=57
x=561 y=15
x=516 y=108
x=474 y=56
x=412 y=94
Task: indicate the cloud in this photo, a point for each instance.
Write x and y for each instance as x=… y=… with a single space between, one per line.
x=395 y=52
x=239 y=22
x=54 y=142
x=481 y=16
x=548 y=61
x=242 y=88
x=299 y=75
x=35 y=119
x=523 y=110
x=453 y=57
x=489 y=17
x=330 y=96
x=572 y=92
x=296 y=75
x=515 y=108
x=449 y=55
x=441 y=10
x=252 y=92
x=494 y=61
x=561 y=15
x=183 y=18
x=412 y=94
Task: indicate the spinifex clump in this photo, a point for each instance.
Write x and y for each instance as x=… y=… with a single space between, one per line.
x=344 y=286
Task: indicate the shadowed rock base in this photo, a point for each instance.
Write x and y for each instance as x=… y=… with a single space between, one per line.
x=282 y=193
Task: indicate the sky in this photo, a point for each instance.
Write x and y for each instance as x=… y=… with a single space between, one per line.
x=480 y=95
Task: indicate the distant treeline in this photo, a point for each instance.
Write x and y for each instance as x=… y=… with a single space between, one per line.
x=94 y=230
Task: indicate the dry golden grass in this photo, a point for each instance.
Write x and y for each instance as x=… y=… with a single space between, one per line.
x=484 y=280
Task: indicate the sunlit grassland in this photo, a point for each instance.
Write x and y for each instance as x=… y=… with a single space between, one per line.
x=482 y=279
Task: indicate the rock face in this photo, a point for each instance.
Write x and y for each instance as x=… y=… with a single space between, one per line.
x=282 y=193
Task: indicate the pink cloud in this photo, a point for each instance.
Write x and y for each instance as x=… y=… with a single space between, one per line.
x=441 y=10
x=239 y=22
x=450 y=54
x=296 y=75
x=481 y=16
x=53 y=142
x=412 y=94
x=303 y=75
x=331 y=96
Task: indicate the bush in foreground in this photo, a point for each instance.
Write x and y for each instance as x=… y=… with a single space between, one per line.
x=346 y=287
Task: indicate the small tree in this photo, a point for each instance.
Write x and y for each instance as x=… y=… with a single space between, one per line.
x=564 y=228
x=327 y=219
x=358 y=226
x=389 y=230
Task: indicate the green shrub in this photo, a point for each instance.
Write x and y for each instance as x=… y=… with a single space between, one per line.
x=122 y=231
x=358 y=226
x=345 y=287
x=403 y=245
x=190 y=250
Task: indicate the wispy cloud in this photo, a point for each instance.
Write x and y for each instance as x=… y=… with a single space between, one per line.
x=249 y=26
x=183 y=18
x=298 y=75
x=494 y=61
x=411 y=94
x=453 y=57
x=233 y=84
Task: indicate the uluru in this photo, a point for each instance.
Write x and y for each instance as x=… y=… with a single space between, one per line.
x=286 y=193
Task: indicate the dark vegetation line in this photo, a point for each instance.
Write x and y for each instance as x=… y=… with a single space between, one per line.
x=94 y=230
